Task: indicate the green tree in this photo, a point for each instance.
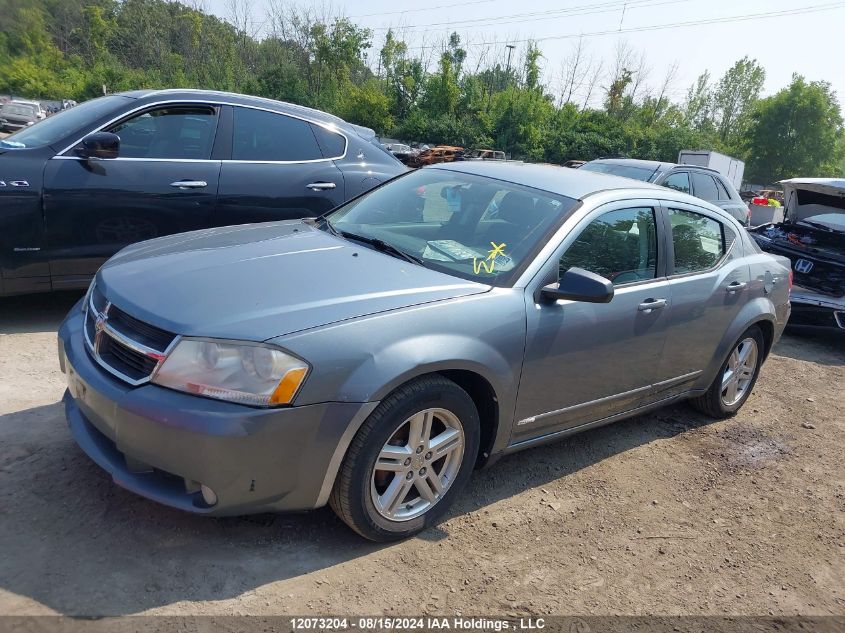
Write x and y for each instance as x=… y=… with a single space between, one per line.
x=734 y=99
x=796 y=132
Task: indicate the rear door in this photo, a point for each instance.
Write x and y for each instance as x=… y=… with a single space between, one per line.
x=708 y=285
x=280 y=168
x=164 y=181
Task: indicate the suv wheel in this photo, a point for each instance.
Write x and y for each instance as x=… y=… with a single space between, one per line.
x=408 y=461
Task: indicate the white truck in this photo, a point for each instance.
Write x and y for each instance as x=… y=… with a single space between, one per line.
x=731 y=168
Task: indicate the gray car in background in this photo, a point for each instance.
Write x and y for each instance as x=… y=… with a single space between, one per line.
x=701 y=182
x=16 y=116
x=372 y=358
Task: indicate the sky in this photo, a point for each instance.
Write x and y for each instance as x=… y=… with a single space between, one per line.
x=800 y=37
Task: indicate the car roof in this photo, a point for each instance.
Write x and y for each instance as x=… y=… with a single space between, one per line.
x=637 y=162
x=573 y=183
x=655 y=164
x=317 y=116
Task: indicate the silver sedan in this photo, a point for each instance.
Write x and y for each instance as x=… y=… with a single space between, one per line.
x=371 y=359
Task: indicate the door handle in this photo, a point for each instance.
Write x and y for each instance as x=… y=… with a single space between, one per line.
x=319 y=186
x=651 y=304
x=735 y=286
x=189 y=184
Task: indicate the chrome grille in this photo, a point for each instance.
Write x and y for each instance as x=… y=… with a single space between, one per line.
x=123 y=345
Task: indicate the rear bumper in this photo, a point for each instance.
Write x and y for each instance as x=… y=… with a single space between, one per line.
x=163 y=444
x=810 y=309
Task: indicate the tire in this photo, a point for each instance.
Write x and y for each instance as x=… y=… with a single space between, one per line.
x=401 y=497
x=719 y=401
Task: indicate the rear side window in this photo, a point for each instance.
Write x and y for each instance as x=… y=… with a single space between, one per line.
x=704 y=186
x=332 y=144
x=678 y=181
x=724 y=194
x=698 y=241
x=266 y=136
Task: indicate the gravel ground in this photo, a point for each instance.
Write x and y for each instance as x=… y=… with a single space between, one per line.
x=668 y=513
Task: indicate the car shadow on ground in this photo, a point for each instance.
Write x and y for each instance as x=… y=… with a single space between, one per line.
x=826 y=347
x=78 y=544
x=36 y=313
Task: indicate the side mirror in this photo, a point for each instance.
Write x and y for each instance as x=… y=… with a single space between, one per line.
x=578 y=284
x=99 y=145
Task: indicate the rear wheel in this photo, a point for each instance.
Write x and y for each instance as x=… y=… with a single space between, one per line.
x=735 y=380
x=408 y=461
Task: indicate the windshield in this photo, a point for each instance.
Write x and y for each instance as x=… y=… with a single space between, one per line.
x=619 y=169
x=58 y=126
x=20 y=109
x=832 y=221
x=470 y=226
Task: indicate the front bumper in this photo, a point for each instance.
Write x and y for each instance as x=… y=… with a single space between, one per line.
x=810 y=309
x=163 y=444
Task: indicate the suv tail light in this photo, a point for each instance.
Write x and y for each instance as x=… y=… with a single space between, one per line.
x=760 y=201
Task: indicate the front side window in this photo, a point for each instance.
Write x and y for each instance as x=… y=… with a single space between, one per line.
x=678 y=181
x=267 y=136
x=473 y=227
x=705 y=186
x=185 y=132
x=698 y=241
x=619 y=245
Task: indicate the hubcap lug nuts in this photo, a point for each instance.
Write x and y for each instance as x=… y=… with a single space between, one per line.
x=408 y=462
x=422 y=472
x=419 y=449
x=428 y=455
x=409 y=476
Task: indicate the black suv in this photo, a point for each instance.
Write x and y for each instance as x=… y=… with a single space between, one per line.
x=82 y=184
x=701 y=182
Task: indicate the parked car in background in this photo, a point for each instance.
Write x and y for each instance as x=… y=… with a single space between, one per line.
x=434 y=155
x=372 y=363
x=574 y=164
x=701 y=182
x=16 y=116
x=403 y=153
x=812 y=236
x=128 y=167
x=481 y=154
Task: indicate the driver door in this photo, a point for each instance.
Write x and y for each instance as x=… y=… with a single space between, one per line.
x=163 y=181
x=589 y=361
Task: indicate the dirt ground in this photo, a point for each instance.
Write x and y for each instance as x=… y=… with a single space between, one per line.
x=668 y=513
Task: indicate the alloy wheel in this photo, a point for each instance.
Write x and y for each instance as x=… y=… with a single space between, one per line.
x=417 y=465
x=739 y=373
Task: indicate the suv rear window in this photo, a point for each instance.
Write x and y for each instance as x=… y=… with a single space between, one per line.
x=679 y=181
x=704 y=186
x=267 y=136
x=724 y=194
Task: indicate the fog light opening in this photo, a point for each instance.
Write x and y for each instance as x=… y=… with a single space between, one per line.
x=208 y=495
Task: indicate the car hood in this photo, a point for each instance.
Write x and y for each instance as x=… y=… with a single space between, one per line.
x=831 y=198
x=258 y=281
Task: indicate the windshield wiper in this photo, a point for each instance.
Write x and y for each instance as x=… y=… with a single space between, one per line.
x=380 y=245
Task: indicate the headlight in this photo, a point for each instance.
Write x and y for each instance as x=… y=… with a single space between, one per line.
x=245 y=373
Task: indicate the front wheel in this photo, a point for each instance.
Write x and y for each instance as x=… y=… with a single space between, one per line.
x=408 y=461
x=735 y=380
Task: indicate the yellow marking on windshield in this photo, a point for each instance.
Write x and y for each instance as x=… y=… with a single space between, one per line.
x=489 y=264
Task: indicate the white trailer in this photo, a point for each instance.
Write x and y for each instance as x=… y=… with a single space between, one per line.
x=731 y=168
